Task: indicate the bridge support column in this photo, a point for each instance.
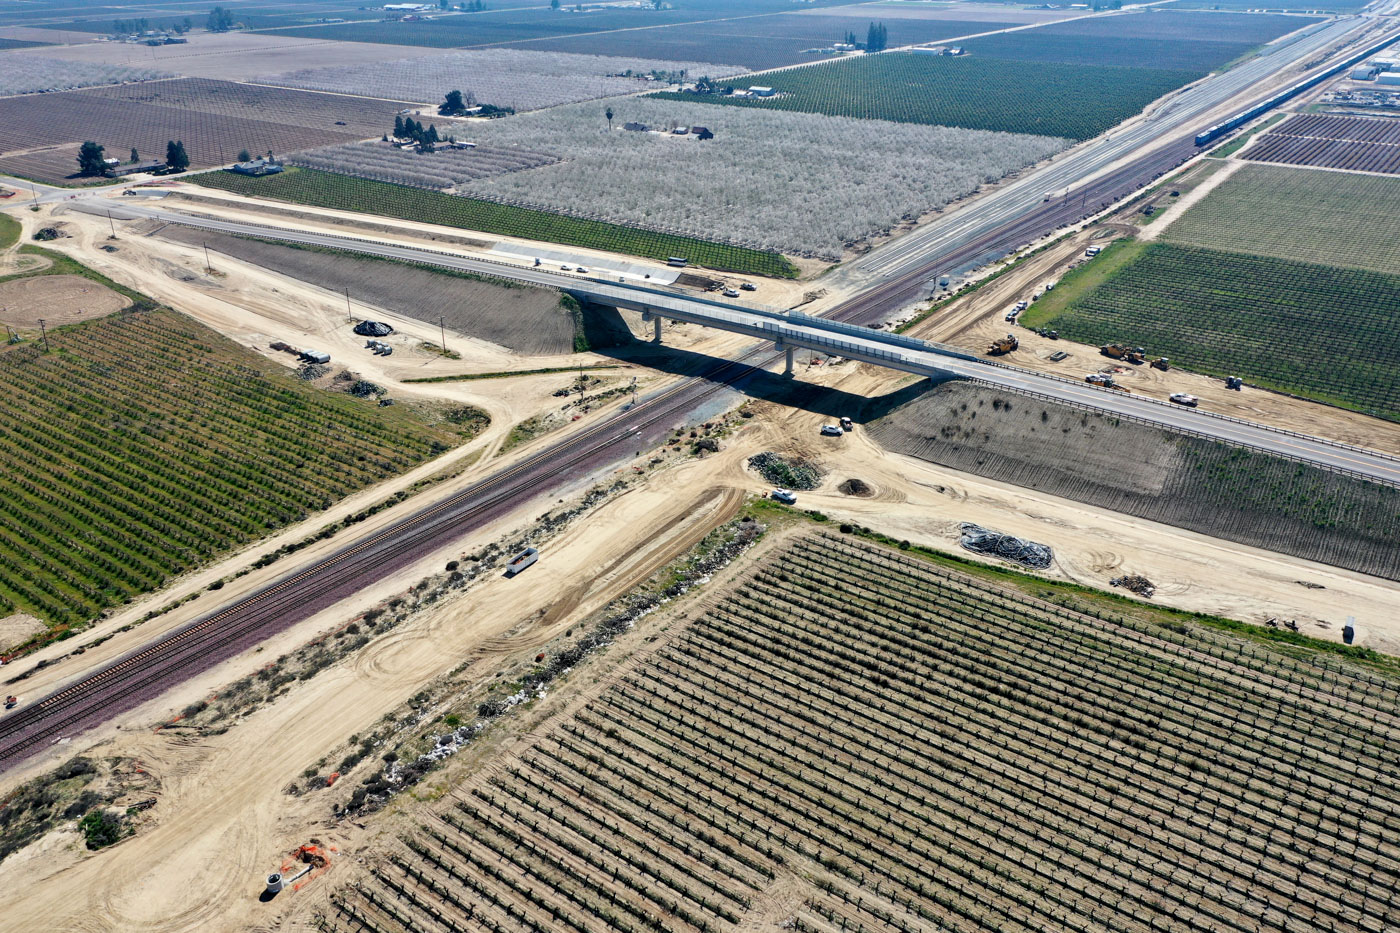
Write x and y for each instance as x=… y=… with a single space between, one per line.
x=787 y=370
x=656 y=330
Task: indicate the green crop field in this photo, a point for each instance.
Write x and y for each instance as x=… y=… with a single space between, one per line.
x=853 y=738
x=1048 y=98
x=143 y=444
x=1319 y=331
x=344 y=192
x=1332 y=218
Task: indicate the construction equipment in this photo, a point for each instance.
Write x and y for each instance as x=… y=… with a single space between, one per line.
x=1234 y=382
x=1119 y=352
x=522 y=560
x=1100 y=379
x=1161 y=363
x=1003 y=345
x=10 y=701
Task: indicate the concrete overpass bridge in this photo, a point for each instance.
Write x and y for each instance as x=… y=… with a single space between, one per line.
x=791 y=330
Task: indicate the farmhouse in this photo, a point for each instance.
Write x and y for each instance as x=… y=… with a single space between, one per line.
x=635 y=127
x=258 y=167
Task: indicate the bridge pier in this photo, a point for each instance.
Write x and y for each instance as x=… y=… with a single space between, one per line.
x=787 y=370
x=656 y=330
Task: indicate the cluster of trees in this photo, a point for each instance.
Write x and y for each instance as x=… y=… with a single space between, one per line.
x=471 y=6
x=455 y=104
x=219 y=20
x=412 y=129
x=92 y=157
x=134 y=27
x=876 y=38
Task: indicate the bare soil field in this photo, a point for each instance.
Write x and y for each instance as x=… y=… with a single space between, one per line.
x=56 y=299
x=531 y=321
x=336 y=113
x=17 y=628
x=214 y=119
x=233 y=56
x=1217 y=490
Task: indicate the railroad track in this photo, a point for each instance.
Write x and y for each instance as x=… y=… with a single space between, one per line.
x=128 y=681
x=147 y=672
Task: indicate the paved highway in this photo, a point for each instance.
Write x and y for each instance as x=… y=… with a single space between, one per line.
x=1184 y=110
x=901 y=353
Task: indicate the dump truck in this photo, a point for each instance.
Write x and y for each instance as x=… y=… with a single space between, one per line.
x=1161 y=363
x=522 y=560
x=1003 y=345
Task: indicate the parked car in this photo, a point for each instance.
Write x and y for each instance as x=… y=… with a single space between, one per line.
x=784 y=495
x=846 y=424
x=831 y=430
x=731 y=293
x=749 y=287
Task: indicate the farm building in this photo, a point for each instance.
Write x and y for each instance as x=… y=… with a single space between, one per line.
x=1389 y=77
x=759 y=91
x=1365 y=72
x=635 y=127
x=258 y=167
x=150 y=165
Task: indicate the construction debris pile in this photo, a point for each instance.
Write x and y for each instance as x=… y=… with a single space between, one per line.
x=1136 y=583
x=1018 y=550
x=787 y=473
x=373 y=329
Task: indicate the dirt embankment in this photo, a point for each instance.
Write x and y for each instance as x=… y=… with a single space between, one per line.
x=1206 y=487
x=528 y=320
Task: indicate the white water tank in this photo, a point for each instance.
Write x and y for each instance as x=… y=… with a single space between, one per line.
x=274 y=882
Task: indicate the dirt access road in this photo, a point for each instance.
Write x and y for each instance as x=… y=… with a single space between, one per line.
x=223 y=819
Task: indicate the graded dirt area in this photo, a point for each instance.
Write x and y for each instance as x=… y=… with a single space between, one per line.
x=56 y=299
x=15 y=629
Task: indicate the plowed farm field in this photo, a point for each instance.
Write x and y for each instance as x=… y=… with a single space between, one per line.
x=856 y=739
x=1360 y=144
x=40 y=135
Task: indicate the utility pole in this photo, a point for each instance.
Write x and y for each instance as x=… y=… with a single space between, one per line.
x=208 y=269
x=349 y=315
x=45 y=331
x=111 y=224
x=442 y=328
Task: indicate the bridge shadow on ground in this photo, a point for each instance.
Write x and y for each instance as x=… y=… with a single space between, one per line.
x=791 y=391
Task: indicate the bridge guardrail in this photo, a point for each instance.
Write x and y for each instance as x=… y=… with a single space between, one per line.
x=1137 y=419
